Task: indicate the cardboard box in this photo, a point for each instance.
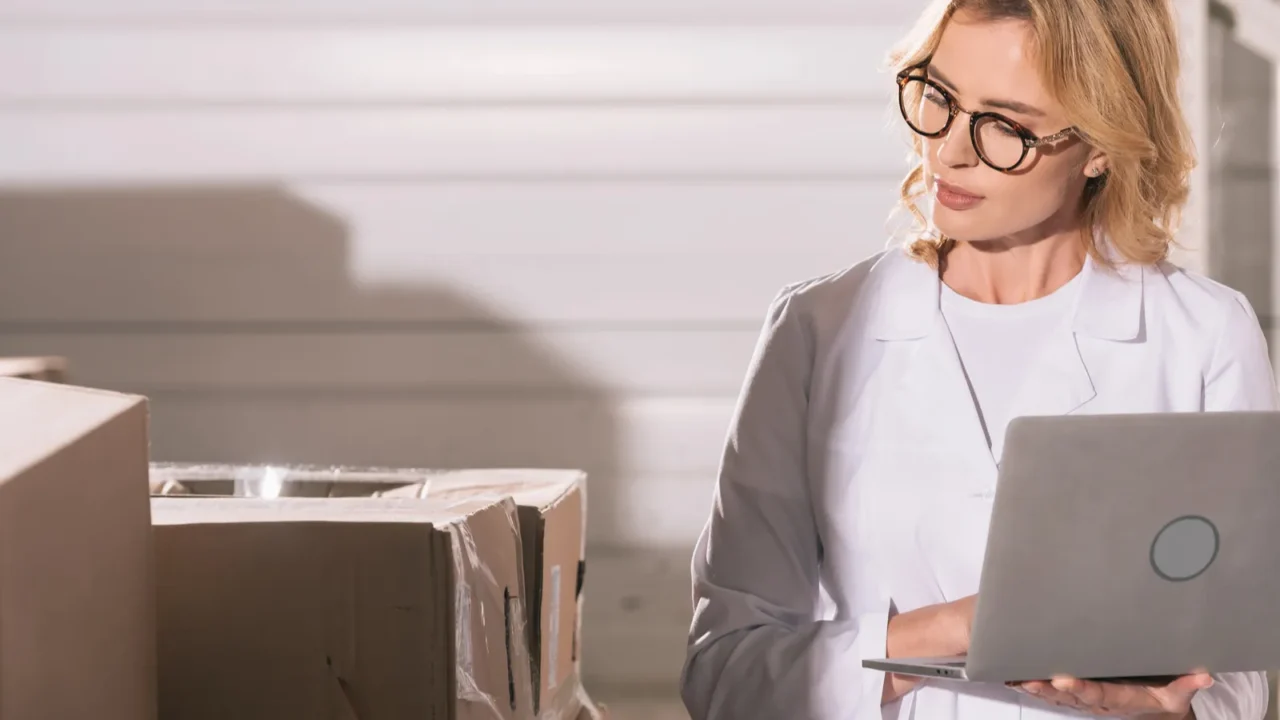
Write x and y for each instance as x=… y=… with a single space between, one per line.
x=552 y=507
x=353 y=608
x=46 y=369
x=77 y=611
x=552 y=519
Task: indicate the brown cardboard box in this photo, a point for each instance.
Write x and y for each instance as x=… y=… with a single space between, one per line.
x=552 y=512
x=77 y=611
x=344 y=609
x=47 y=369
x=552 y=506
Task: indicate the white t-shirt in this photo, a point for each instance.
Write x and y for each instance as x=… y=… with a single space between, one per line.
x=999 y=343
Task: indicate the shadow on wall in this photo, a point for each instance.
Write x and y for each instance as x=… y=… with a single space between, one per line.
x=234 y=311
x=255 y=346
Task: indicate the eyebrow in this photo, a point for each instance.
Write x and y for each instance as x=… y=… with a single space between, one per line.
x=1012 y=105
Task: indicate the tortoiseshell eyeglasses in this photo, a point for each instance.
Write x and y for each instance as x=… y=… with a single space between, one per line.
x=929 y=110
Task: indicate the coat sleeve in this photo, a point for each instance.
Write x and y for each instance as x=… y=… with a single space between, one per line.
x=756 y=647
x=1239 y=377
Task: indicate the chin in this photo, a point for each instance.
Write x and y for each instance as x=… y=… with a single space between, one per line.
x=968 y=226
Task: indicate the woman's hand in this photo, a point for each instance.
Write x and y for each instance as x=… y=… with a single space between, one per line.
x=930 y=631
x=1172 y=701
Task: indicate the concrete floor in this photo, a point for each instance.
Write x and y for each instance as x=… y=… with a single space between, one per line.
x=642 y=709
x=641 y=704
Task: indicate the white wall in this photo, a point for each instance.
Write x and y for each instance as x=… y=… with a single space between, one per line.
x=1244 y=48
x=444 y=233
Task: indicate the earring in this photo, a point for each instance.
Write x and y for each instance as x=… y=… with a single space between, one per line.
x=1093 y=172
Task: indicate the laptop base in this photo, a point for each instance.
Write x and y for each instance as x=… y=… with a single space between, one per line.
x=953 y=668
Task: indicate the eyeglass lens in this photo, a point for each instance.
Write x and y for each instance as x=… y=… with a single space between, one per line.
x=927 y=110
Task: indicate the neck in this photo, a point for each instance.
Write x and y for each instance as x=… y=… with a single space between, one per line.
x=1008 y=270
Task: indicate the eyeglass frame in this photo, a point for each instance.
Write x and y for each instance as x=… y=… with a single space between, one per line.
x=1029 y=139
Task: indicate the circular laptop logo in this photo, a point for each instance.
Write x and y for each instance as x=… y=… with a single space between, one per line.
x=1184 y=548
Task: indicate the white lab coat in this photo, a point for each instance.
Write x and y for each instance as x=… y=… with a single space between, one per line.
x=857 y=477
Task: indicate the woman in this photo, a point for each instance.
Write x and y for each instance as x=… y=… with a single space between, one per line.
x=846 y=523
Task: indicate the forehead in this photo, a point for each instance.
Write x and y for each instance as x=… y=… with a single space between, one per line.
x=991 y=60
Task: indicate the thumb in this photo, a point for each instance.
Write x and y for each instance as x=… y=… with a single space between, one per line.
x=1189 y=684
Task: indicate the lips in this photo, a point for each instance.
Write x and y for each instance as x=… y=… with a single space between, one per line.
x=955 y=197
x=957 y=190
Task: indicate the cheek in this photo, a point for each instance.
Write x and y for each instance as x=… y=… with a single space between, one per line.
x=1040 y=192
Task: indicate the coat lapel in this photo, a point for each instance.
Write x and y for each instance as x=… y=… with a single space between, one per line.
x=1057 y=384
x=929 y=404
x=1108 y=308
x=930 y=397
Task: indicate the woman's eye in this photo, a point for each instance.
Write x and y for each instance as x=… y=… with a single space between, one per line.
x=1007 y=130
x=935 y=97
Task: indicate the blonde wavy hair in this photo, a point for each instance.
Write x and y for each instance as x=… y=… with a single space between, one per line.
x=1114 y=67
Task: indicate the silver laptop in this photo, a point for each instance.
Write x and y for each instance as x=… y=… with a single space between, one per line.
x=1127 y=548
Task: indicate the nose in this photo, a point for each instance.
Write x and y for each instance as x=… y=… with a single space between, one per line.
x=956 y=148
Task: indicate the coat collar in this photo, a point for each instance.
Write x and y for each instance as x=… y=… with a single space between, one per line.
x=906 y=300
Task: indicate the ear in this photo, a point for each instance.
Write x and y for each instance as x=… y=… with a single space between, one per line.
x=1097 y=165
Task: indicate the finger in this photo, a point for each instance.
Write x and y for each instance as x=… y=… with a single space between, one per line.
x=1177 y=694
x=1046 y=691
x=1106 y=698
x=1090 y=693
x=1127 y=699
x=1081 y=692
x=1063 y=683
x=1057 y=697
x=1035 y=687
x=1189 y=684
x=1066 y=700
x=1093 y=696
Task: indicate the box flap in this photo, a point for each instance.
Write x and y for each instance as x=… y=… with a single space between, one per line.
x=38 y=419
x=487 y=549
x=211 y=510
x=540 y=488
x=552 y=508
x=564 y=528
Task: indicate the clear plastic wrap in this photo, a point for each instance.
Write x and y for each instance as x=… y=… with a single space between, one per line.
x=274 y=481
x=488 y=610
x=538 y=491
x=168 y=487
x=573 y=703
x=469 y=563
